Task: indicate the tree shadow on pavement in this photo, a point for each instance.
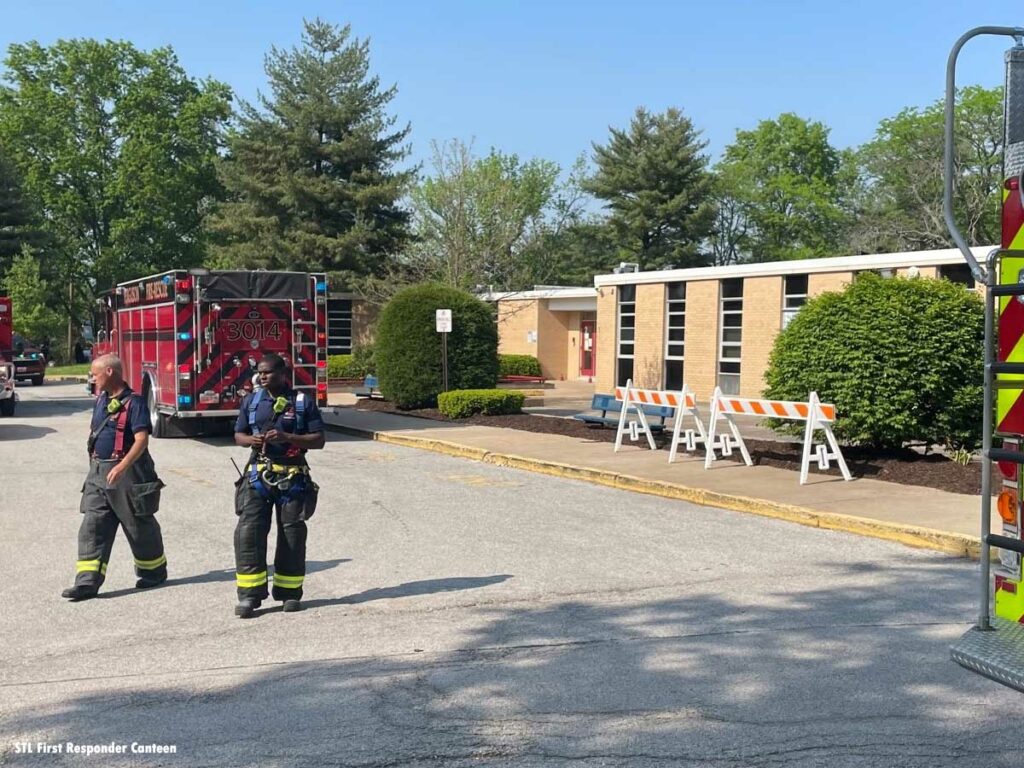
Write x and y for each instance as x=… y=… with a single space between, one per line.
x=854 y=672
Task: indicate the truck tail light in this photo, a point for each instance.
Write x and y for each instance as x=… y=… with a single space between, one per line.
x=1009 y=468
x=321 y=387
x=1007 y=504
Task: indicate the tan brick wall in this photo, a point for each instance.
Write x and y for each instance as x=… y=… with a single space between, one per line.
x=932 y=272
x=700 y=369
x=762 y=320
x=552 y=339
x=515 y=320
x=649 y=353
x=364 y=319
x=606 y=319
x=827 y=281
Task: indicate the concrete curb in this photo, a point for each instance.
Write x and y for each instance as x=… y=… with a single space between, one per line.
x=956 y=544
x=69 y=378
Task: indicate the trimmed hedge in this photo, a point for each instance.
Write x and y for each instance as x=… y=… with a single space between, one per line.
x=358 y=365
x=459 y=404
x=900 y=358
x=518 y=365
x=407 y=348
x=338 y=366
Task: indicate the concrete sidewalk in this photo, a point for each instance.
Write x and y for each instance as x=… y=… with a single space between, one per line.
x=920 y=517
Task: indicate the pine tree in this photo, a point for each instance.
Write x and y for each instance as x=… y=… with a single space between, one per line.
x=310 y=175
x=18 y=226
x=655 y=182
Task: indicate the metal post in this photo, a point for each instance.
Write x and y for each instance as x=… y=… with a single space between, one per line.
x=986 y=445
x=444 y=359
x=947 y=201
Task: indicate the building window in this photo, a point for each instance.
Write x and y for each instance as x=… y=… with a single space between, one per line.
x=339 y=326
x=675 y=334
x=730 y=335
x=794 y=296
x=626 y=341
x=957 y=273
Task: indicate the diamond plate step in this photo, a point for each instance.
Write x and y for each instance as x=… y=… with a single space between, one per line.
x=997 y=654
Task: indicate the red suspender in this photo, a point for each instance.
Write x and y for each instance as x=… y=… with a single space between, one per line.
x=122 y=422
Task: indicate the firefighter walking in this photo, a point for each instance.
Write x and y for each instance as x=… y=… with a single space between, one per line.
x=121 y=489
x=279 y=424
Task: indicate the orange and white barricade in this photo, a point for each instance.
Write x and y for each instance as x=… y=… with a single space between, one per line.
x=683 y=402
x=818 y=415
x=691 y=437
x=635 y=399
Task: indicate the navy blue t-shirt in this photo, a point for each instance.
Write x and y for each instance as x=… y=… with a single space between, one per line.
x=138 y=420
x=266 y=419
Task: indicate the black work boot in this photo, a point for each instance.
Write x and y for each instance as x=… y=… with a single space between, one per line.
x=246 y=608
x=147 y=582
x=79 y=592
x=291 y=606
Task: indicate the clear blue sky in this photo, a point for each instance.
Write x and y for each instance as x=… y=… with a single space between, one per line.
x=545 y=79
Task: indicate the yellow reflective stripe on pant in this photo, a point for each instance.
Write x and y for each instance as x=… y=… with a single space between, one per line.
x=148 y=565
x=288 y=582
x=251 y=579
x=90 y=565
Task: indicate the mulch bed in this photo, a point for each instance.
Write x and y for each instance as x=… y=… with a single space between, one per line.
x=906 y=466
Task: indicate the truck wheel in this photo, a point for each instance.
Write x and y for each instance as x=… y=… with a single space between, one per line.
x=37 y=381
x=7 y=407
x=157 y=420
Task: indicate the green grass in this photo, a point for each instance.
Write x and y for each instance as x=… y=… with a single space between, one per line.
x=68 y=370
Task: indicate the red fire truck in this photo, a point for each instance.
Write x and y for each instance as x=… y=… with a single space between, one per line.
x=190 y=340
x=8 y=397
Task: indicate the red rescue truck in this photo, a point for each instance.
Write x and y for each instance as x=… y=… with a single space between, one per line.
x=190 y=339
x=8 y=396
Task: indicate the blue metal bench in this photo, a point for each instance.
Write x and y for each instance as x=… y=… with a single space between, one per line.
x=369 y=388
x=608 y=404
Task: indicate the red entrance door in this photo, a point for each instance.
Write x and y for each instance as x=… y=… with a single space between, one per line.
x=588 y=347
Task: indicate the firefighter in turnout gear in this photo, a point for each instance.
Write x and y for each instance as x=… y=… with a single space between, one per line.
x=279 y=425
x=121 y=489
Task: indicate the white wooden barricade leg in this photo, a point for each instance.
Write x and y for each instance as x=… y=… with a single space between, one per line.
x=635 y=428
x=690 y=438
x=723 y=443
x=816 y=419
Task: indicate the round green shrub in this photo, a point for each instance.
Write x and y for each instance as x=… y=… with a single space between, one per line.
x=407 y=347
x=900 y=358
x=462 y=403
x=518 y=365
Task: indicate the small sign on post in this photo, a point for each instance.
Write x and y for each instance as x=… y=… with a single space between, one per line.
x=443 y=320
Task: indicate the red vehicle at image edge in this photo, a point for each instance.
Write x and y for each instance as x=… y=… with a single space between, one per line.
x=8 y=395
x=190 y=340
